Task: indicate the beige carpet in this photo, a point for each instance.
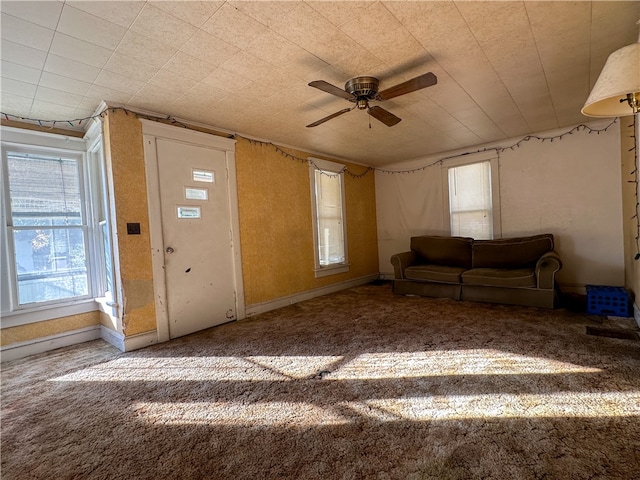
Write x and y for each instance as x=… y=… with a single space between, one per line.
x=361 y=384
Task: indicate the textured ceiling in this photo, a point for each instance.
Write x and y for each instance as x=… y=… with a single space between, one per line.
x=504 y=69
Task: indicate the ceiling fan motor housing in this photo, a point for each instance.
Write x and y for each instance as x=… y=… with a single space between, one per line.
x=364 y=88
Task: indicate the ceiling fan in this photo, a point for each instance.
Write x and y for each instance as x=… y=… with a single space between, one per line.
x=361 y=90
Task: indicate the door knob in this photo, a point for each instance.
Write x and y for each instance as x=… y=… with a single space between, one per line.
x=169 y=250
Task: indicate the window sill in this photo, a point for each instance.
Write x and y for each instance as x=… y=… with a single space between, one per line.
x=49 y=312
x=108 y=306
x=331 y=270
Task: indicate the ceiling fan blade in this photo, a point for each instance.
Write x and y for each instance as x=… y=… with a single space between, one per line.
x=386 y=117
x=332 y=89
x=409 y=86
x=333 y=115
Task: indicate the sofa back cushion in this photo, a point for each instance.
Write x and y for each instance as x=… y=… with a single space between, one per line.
x=519 y=252
x=449 y=251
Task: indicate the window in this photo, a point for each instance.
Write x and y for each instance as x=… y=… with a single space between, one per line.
x=329 y=234
x=472 y=203
x=47 y=225
x=54 y=226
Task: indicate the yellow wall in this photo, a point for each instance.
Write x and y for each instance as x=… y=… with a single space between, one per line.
x=275 y=229
x=274 y=201
x=125 y=156
x=47 y=328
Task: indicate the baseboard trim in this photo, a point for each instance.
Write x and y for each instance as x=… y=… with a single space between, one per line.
x=112 y=337
x=280 y=302
x=127 y=344
x=18 y=350
x=141 y=340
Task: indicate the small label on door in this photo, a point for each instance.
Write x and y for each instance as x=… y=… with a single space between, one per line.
x=188 y=212
x=191 y=193
x=203 y=176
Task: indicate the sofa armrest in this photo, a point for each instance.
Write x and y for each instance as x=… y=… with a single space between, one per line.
x=400 y=261
x=546 y=268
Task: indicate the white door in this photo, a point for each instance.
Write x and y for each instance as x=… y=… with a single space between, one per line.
x=196 y=232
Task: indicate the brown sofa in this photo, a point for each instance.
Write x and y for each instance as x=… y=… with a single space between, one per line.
x=517 y=271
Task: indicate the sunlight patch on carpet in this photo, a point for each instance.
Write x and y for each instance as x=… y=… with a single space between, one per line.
x=418 y=409
x=450 y=362
x=254 y=368
x=366 y=366
x=461 y=407
x=296 y=414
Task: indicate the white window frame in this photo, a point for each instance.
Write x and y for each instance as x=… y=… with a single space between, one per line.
x=14 y=314
x=490 y=156
x=332 y=168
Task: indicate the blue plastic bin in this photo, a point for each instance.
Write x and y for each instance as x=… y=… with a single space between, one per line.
x=602 y=300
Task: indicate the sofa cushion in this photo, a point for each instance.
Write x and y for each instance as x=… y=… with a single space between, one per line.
x=521 y=252
x=434 y=273
x=497 y=277
x=449 y=251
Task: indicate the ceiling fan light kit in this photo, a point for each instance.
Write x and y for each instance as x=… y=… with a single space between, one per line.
x=363 y=89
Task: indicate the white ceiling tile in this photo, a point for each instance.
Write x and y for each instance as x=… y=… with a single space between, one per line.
x=155 y=22
x=202 y=96
x=147 y=49
x=559 y=28
x=502 y=30
x=71 y=68
x=98 y=93
x=130 y=67
x=20 y=72
x=21 y=54
x=173 y=81
x=118 y=82
x=208 y=48
x=277 y=50
x=189 y=66
x=377 y=30
x=79 y=50
x=313 y=32
x=88 y=105
x=43 y=110
x=15 y=104
x=233 y=26
x=91 y=29
x=226 y=81
x=362 y=62
x=65 y=84
x=150 y=95
x=17 y=87
x=463 y=59
x=26 y=33
x=45 y=14
x=84 y=112
x=266 y=13
x=247 y=66
x=340 y=13
x=195 y=13
x=122 y=13
x=58 y=97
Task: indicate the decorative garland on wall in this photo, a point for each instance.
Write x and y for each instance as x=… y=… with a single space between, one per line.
x=173 y=121
x=76 y=122
x=636 y=182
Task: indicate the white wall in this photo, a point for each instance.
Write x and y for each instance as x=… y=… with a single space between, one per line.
x=569 y=187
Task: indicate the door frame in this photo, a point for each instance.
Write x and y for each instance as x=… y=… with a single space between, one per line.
x=151 y=131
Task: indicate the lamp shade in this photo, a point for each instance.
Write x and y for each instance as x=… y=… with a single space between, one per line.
x=619 y=77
